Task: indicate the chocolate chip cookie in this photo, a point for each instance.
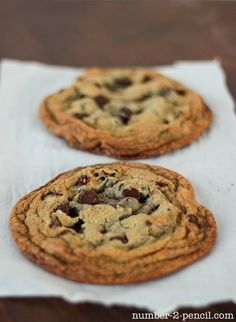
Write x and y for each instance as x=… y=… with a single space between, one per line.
x=113 y=224
x=126 y=113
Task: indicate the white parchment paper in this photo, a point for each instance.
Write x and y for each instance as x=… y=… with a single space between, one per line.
x=30 y=156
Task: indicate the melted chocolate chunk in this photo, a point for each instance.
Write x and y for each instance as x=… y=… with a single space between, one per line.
x=82 y=180
x=165 y=121
x=64 y=207
x=103 y=230
x=142 y=198
x=193 y=219
x=161 y=184
x=180 y=92
x=146 y=79
x=73 y=212
x=79 y=96
x=124 y=114
x=101 y=100
x=78 y=116
x=119 y=83
x=148 y=223
x=123 y=82
x=122 y=238
x=132 y=192
x=155 y=207
x=88 y=197
x=77 y=227
x=69 y=211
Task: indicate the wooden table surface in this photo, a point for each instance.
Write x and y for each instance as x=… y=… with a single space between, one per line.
x=112 y=33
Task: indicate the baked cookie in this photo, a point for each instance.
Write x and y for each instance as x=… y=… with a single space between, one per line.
x=113 y=224
x=126 y=113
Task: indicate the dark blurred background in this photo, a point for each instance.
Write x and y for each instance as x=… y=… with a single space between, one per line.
x=119 y=32
x=112 y=33
x=142 y=32
x=115 y=32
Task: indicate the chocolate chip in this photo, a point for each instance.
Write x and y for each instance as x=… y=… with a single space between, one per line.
x=78 y=116
x=146 y=79
x=119 y=83
x=69 y=211
x=81 y=96
x=73 y=212
x=132 y=192
x=143 y=198
x=101 y=100
x=64 y=207
x=164 y=92
x=124 y=114
x=144 y=97
x=193 y=220
x=55 y=223
x=77 y=227
x=161 y=184
x=61 y=90
x=148 y=223
x=88 y=197
x=122 y=238
x=180 y=92
x=155 y=207
x=165 y=121
x=123 y=82
x=82 y=180
x=103 y=230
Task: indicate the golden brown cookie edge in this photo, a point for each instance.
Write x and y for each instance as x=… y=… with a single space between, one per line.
x=58 y=267
x=100 y=143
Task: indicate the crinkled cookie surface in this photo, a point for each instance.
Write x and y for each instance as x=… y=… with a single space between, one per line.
x=113 y=224
x=126 y=113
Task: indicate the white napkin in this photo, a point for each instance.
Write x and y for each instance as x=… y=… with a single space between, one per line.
x=30 y=156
